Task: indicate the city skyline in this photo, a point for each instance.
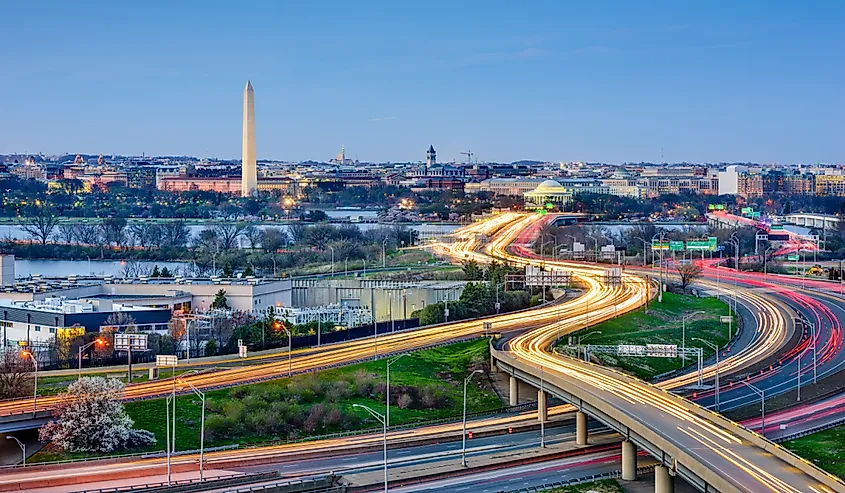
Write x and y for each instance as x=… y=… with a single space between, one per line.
x=716 y=83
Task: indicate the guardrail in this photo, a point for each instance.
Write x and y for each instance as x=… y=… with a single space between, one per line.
x=161 y=453
x=186 y=485
x=583 y=479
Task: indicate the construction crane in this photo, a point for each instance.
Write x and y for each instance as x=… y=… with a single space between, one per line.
x=468 y=154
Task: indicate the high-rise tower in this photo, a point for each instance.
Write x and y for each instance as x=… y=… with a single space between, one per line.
x=249 y=175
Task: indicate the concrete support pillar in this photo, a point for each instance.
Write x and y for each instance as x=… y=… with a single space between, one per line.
x=514 y=391
x=580 y=428
x=542 y=414
x=663 y=481
x=629 y=461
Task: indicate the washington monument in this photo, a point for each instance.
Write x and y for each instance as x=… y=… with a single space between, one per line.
x=249 y=180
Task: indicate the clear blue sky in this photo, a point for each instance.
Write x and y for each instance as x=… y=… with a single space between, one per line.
x=706 y=81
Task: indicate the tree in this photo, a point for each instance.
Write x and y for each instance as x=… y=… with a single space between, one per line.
x=67 y=233
x=39 y=222
x=156 y=272
x=90 y=418
x=210 y=348
x=253 y=235
x=165 y=272
x=87 y=234
x=174 y=234
x=472 y=272
x=688 y=272
x=220 y=301
x=114 y=231
x=272 y=239
x=228 y=234
x=317 y=216
x=249 y=271
x=15 y=375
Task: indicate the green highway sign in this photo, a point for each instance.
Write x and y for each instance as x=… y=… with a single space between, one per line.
x=755 y=215
x=777 y=227
x=746 y=210
x=676 y=246
x=720 y=207
x=656 y=245
x=708 y=244
x=792 y=257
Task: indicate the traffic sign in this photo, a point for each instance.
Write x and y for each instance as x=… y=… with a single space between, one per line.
x=793 y=257
x=166 y=360
x=676 y=246
x=242 y=351
x=662 y=350
x=136 y=342
x=726 y=319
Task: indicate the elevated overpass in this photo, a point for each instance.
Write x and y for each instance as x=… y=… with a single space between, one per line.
x=709 y=451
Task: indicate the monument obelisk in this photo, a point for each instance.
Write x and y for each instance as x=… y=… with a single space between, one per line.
x=249 y=176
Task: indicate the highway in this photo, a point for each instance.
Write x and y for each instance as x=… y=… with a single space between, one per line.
x=604 y=302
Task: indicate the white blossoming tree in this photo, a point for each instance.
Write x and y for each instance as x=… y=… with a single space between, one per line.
x=91 y=418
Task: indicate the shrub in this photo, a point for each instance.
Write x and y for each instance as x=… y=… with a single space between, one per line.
x=404 y=401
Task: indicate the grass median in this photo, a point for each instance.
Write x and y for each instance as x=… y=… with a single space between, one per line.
x=424 y=386
x=661 y=325
x=826 y=449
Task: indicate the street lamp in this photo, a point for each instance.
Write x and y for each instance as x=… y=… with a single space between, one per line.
x=278 y=325
x=83 y=348
x=381 y=419
x=383 y=256
x=661 y=235
x=201 y=395
x=645 y=248
x=716 y=349
x=684 y=334
x=584 y=337
x=762 y=394
x=332 y=249
x=387 y=392
x=595 y=249
x=35 y=387
x=21 y=445
x=765 y=259
x=464 y=436
x=574 y=239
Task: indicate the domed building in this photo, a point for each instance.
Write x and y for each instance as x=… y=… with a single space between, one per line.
x=548 y=195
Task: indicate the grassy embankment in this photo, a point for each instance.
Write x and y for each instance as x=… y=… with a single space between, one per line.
x=603 y=486
x=661 y=325
x=425 y=385
x=825 y=449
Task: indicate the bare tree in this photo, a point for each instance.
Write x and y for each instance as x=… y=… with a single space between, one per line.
x=145 y=235
x=688 y=272
x=67 y=233
x=40 y=222
x=87 y=234
x=114 y=231
x=253 y=234
x=228 y=234
x=174 y=234
x=15 y=375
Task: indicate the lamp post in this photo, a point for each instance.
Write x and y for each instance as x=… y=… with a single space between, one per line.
x=464 y=436
x=660 y=291
x=383 y=256
x=35 y=387
x=762 y=394
x=583 y=338
x=595 y=249
x=645 y=248
x=387 y=392
x=332 y=249
x=21 y=445
x=684 y=335
x=573 y=246
x=381 y=419
x=201 y=395
x=83 y=348
x=765 y=260
x=716 y=349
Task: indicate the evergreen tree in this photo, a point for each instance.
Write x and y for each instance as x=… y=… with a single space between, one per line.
x=220 y=301
x=156 y=272
x=165 y=272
